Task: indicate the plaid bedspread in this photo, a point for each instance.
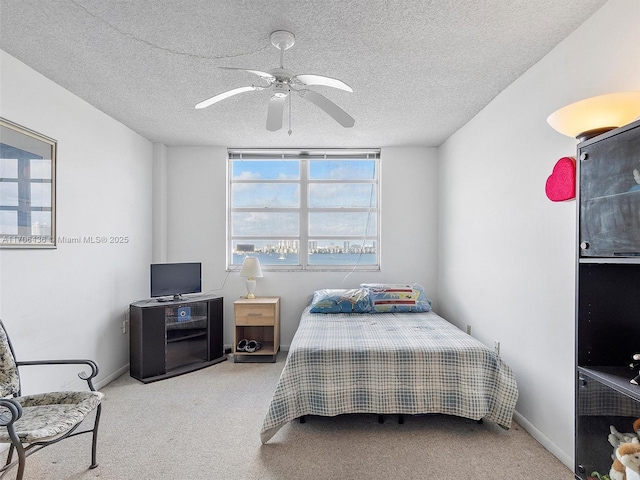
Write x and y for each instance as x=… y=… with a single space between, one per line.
x=390 y=363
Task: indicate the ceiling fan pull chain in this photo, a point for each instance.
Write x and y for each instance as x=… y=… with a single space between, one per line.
x=290 y=131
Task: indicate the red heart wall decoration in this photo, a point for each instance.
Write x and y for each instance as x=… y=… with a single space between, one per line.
x=561 y=184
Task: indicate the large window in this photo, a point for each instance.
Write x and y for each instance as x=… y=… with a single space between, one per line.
x=310 y=210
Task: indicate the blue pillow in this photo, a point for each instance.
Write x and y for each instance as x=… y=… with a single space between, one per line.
x=386 y=298
x=354 y=300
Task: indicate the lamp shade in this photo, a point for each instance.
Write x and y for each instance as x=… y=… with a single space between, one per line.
x=251 y=268
x=595 y=115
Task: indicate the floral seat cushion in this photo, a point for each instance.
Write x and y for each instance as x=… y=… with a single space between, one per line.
x=48 y=415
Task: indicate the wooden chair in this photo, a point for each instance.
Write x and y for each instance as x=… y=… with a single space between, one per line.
x=31 y=422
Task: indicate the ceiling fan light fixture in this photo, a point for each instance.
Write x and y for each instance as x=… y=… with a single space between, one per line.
x=282 y=82
x=280 y=90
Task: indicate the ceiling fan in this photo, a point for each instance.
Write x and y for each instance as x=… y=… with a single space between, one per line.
x=283 y=82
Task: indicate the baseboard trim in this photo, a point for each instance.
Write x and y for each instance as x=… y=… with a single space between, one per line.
x=544 y=441
x=109 y=378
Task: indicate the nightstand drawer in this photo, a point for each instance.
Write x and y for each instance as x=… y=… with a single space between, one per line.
x=258 y=314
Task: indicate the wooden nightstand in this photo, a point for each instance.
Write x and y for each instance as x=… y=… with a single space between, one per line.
x=257 y=319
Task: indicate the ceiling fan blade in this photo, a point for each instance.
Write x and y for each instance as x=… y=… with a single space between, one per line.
x=309 y=79
x=339 y=115
x=274 y=115
x=223 y=95
x=266 y=75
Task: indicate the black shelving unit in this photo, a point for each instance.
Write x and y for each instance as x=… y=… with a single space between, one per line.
x=608 y=295
x=171 y=338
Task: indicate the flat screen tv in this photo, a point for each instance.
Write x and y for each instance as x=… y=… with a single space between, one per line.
x=175 y=279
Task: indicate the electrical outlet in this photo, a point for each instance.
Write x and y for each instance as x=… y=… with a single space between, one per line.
x=468 y=329
x=496 y=347
x=125 y=323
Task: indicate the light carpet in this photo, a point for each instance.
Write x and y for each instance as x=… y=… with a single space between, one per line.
x=205 y=425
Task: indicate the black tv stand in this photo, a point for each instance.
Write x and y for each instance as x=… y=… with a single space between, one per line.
x=175 y=336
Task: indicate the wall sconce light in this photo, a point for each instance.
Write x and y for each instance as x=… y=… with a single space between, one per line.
x=251 y=269
x=593 y=116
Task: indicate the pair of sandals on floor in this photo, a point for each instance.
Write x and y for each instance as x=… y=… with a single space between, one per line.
x=248 y=346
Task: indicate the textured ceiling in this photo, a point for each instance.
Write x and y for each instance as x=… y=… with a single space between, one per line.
x=420 y=69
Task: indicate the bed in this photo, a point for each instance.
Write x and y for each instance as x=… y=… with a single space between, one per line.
x=389 y=363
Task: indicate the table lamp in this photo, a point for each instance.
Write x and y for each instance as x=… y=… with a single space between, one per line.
x=251 y=269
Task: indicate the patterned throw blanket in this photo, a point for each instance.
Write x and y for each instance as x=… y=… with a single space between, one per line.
x=389 y=363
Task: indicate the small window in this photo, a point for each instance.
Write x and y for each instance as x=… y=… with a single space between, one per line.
x=311 y=210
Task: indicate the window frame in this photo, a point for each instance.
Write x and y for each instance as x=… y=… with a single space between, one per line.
x=18 y=137
x=304 y=157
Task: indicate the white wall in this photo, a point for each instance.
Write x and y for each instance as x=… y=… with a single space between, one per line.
x=160 y=203
x=507 y=253
x=69 y=302
x=196 y=179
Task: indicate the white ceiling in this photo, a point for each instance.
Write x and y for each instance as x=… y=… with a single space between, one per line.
x=420 y=69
